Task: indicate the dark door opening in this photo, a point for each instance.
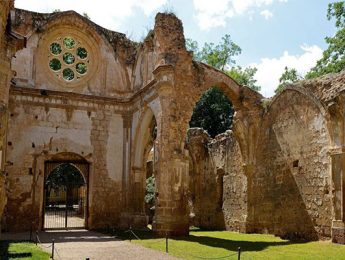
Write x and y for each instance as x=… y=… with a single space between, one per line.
x=65 y=195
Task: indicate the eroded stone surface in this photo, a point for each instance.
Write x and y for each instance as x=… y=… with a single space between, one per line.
x=280 y=170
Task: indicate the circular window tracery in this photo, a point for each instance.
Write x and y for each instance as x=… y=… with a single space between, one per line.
x=68 y=58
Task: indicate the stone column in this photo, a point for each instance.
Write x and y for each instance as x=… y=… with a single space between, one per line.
x=127 y=133
x=172 y=166
x=338 y=177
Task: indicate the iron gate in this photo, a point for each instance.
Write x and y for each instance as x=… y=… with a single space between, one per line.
x=65 y=195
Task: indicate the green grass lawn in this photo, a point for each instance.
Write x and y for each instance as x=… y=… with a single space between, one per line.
x=21 y=250
x=216 y=244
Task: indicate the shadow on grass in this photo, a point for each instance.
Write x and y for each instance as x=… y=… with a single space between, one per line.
x=5 y=254
x=228 y=244
x=233 y=245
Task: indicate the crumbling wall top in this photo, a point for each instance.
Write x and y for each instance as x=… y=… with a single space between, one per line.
x=325 y=88
x=26 y=22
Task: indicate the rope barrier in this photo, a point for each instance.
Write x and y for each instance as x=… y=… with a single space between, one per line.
x=39 y=241
x=135 y=235
x=180 y=251
x=57 y=252
x=138 y=238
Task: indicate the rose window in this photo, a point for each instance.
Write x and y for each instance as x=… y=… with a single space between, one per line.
x=68 y=59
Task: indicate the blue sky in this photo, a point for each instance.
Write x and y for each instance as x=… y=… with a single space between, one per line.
x=272 y=33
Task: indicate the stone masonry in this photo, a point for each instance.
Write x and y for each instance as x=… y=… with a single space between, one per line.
x=74 y=91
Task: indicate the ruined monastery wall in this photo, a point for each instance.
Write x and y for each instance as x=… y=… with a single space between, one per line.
x=217 y=181
x=290 y=191
x=93 y=131
x=77 y=92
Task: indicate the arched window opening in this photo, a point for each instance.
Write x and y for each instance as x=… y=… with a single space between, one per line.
x=150 y=183
x=213 y=112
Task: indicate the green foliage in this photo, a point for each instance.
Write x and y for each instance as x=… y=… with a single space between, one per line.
x=333 y=59
x=55 y=64
x=69 y=42
x=81 y=53
x=288 y=77
x=55 y=48
x=337 y=10
x=213 y=112
x=65 y=176
x=193 y=46
x=244 y=77
x=68 y=74
x=81 y=68
x=150 y=190
x=221 y=56
x=217 y=56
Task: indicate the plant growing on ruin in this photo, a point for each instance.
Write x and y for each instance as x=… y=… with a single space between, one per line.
x=289 y=76
x=333 y=59
x=244 y=77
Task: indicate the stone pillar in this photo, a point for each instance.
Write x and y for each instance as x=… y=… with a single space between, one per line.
x=172 y=166
x=127 y=133
x=338 y=177
x=5 y=77
x=249 y=171
x=171 y=215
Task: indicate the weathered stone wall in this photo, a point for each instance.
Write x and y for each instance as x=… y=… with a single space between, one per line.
x=109 y=54
x=290 y=190
x=40 y=130
x=272 y=174
x=7 y=49
x=217 y=182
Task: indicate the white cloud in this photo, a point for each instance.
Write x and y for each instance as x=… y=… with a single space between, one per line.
x=109 y=14
x=270 y=70
x=267 y=14
x=214 y=13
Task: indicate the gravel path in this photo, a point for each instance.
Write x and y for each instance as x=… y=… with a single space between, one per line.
x=82 y=244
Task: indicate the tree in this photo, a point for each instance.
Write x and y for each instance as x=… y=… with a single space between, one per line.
x=244 y=77
x=221 y=57
x=218 y=56
x=289 y=76
x=64 y=177
x=333 y=58
x=213 y=112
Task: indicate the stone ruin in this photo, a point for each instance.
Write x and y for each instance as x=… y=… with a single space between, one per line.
x=72 y=91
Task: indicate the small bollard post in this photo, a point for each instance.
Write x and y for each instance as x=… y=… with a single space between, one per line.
x=36 y=237
x=53 y=248
x=239 y=253
x=166 y=243
x=130 y=234
x=30 y=234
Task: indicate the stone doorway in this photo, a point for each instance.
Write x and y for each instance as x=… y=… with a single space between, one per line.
x=65 y=204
